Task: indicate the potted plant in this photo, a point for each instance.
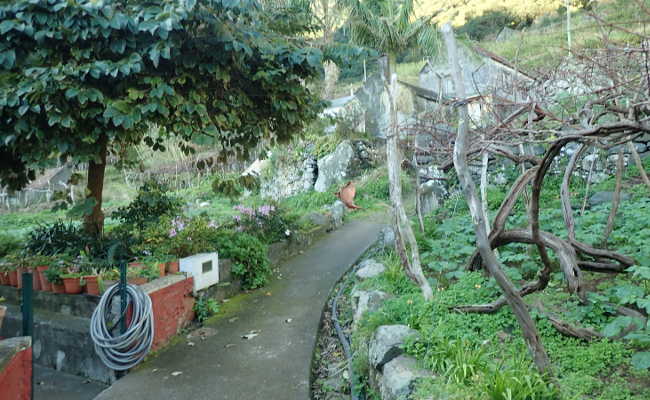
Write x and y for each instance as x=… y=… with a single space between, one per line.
x=89 y=275
x=15 y=261
x=54 y=277
x=4 y=273
x=158 y=262
x=40 y=264
x=110 y=276
x=72 y=280
x=173 y=267
x=133 y=275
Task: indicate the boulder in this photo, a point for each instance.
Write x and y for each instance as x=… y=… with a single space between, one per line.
x=386 y=238
x=318 y=219
x=399 y=378
x=387 y=343
x=335 y=167
x=365 y=301
x=605 y=197
x=369 y=269
x=337 y=211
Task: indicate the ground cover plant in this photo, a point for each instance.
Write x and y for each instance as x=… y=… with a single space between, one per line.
x=483 y=356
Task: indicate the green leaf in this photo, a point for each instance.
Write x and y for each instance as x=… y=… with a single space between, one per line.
x=154 y=55
x=9 y=58
x=70 y=93
x=23 y=109
x=6 y=26
x=641 y=360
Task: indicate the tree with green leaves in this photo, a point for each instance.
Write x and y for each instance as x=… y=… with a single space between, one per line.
x=81 y=80
x=390 y=27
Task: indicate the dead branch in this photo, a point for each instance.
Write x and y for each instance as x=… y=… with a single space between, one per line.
x=620 y=163
x=566 y=328
x=639 y=164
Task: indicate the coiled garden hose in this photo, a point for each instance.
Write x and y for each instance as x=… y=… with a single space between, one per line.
x=121 y=351
x=344 y=342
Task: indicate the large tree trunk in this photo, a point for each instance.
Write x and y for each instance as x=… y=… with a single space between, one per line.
x=94 y=222
x=513 y=298
x=403 y=228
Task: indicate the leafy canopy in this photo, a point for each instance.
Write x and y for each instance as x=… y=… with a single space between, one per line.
x=76 y=74
x=389 y=26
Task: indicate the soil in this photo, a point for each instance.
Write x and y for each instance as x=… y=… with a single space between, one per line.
x=330 y=377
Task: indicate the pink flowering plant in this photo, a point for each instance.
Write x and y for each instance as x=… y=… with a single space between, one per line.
x=266 y=222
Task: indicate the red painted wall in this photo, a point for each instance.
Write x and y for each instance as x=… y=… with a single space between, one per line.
x=172 y=310
x=15 y=379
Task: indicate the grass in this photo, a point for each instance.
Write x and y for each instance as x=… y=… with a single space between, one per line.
x=543 y=47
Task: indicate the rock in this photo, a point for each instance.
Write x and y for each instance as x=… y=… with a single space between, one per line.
x=538 y=150
x=285 y=181
x=399 y=378
x=309 y=173
x=373 y=99
x=386 y=344
x=500 y=178
x=337 y=211
x=640 y=147
x=605 y=197
x=366 y=301
x=387 y=238
x=430 y=196
x=369 y=269
x=335 y=167
x=318 y=219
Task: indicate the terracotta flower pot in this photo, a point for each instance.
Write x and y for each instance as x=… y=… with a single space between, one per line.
x=173 y=267
x=72 y=285
x=19 y=275
x=137 y=280
x=46 y=286
x=58 y=288
x=161 y=268
x=136 y=265
x=36 y=280
x=92 y=285
x=13 y=278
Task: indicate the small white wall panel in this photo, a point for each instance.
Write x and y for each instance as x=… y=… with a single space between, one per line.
x=204 y=268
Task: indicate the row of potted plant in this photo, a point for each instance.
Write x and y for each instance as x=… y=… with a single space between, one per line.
x=63 y=274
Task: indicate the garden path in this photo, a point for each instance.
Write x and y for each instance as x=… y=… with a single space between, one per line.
x=281 y=321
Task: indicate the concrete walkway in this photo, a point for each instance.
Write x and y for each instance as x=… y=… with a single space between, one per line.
x=281 y=321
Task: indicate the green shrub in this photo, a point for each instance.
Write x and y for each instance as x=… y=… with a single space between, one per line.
x=490 y=23
x=151 y=203
x=205 y=307
x=56 y=238
x=266 y=222
x=9 y=244
x=248 y=254
x=233 y=185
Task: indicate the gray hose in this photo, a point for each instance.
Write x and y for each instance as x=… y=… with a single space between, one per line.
x=123 y=351
x=344 y=341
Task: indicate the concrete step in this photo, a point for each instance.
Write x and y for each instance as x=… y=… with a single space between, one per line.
x=61 y=342
x=50 y=384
